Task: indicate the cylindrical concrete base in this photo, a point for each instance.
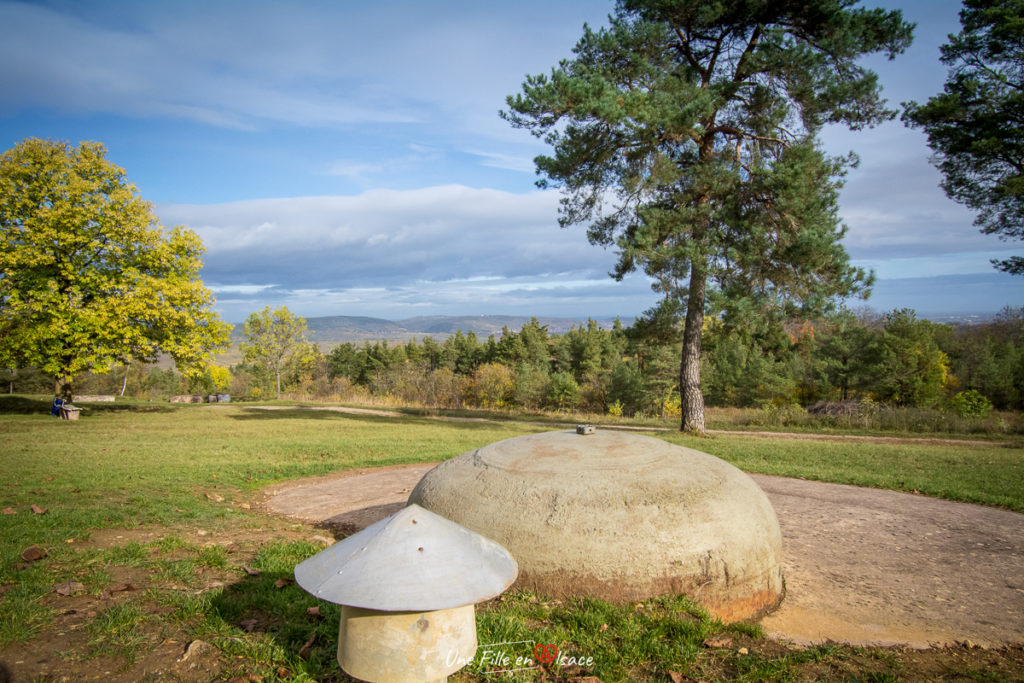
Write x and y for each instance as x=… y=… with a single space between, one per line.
x=406 y=647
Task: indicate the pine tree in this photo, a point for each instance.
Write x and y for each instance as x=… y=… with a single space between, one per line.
x=976 y=125
x=685 y=135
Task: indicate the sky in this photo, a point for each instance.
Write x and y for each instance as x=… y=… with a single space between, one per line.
x=347 y=158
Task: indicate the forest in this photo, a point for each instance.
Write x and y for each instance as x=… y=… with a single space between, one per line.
x=845 y=362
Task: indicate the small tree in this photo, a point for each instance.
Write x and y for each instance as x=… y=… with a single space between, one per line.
x=88 y=278
x=912 y=370
x=271 y=339
x=976 y=126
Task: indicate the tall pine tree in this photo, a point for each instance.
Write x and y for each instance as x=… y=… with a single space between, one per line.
x=685 y=134
x=976 y=125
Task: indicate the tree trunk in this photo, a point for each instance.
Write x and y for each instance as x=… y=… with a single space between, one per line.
x=124 y=385
x=63 y=388
x=278 y=374
x=691 y=398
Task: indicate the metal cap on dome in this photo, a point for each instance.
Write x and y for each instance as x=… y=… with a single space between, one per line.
x=414 y=560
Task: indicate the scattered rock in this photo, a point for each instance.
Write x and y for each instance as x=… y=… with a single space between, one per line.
x=200 y=532
x=10 y=511
x=281 y=583
x=321 y=539
x=304 y=650
x=68 y=588
x=194 y=649
x=245 y=506
x=314 y=612
x=248 y=625
x=250 y=571
x=215 y=498
x=680 y=678
x=38 y=510
x=721 y=641
x=33 y=553
x=743 y=651
x=121 y=587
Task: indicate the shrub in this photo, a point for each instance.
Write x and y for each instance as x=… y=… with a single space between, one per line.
x=970 y=403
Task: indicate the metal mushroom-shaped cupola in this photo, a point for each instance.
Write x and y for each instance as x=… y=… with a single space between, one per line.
x=407 y=586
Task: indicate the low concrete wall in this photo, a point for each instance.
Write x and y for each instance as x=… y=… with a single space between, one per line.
x=97 y=398
x=188 y=398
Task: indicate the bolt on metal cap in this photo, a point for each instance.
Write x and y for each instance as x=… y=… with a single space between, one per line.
x=414 y=560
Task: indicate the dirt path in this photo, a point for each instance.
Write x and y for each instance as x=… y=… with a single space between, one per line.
x=800 y=436
x=863 y=566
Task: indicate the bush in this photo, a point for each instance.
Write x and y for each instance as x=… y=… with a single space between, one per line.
x=781 y=414
x=564 y=393
x=970 y=403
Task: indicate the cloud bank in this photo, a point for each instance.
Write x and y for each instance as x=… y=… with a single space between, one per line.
x=449 y=249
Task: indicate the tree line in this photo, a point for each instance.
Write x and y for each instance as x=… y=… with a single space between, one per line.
x=849 y=356
x=894 y=358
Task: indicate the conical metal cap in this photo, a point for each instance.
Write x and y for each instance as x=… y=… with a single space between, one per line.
x=414 y=560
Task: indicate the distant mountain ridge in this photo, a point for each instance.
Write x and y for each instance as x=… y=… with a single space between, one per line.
x=338 y=329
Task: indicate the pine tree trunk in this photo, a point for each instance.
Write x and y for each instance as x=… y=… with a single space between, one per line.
x=692 y=400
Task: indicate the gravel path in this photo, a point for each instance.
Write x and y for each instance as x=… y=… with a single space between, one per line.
x=863 y=566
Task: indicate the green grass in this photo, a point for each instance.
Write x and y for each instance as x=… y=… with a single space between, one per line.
x=617 y=642
x=117 y=631
x=136 y=466
x=990 y=475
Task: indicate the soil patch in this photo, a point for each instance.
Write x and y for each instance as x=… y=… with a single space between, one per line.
x=863 y=566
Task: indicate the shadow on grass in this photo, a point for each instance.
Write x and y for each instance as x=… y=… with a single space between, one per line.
x=272 y=618
x=309 y=413
x=24 y=405
x=21 y=405
x=127 y=407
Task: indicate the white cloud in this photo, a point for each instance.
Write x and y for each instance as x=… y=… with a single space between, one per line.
x=352 y=169
x=205 y=65
x=510 y=162
x=452 y=248
x=249 y=64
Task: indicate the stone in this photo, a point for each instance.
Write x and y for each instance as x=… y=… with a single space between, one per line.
x=617 y=516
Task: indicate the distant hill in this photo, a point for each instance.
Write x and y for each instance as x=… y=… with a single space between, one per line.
x=338 y=329
x=485 y=325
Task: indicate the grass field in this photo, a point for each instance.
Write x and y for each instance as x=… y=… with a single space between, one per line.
x=152 y=526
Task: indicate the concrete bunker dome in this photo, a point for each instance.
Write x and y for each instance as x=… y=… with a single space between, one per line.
x=617 y=516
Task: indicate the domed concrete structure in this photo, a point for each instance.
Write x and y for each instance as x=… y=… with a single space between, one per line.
x=617 y=516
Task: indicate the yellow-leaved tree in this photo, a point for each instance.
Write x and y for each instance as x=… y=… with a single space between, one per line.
x=88 y=277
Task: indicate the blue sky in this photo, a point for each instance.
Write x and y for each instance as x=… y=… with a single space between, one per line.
x=347 y=158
